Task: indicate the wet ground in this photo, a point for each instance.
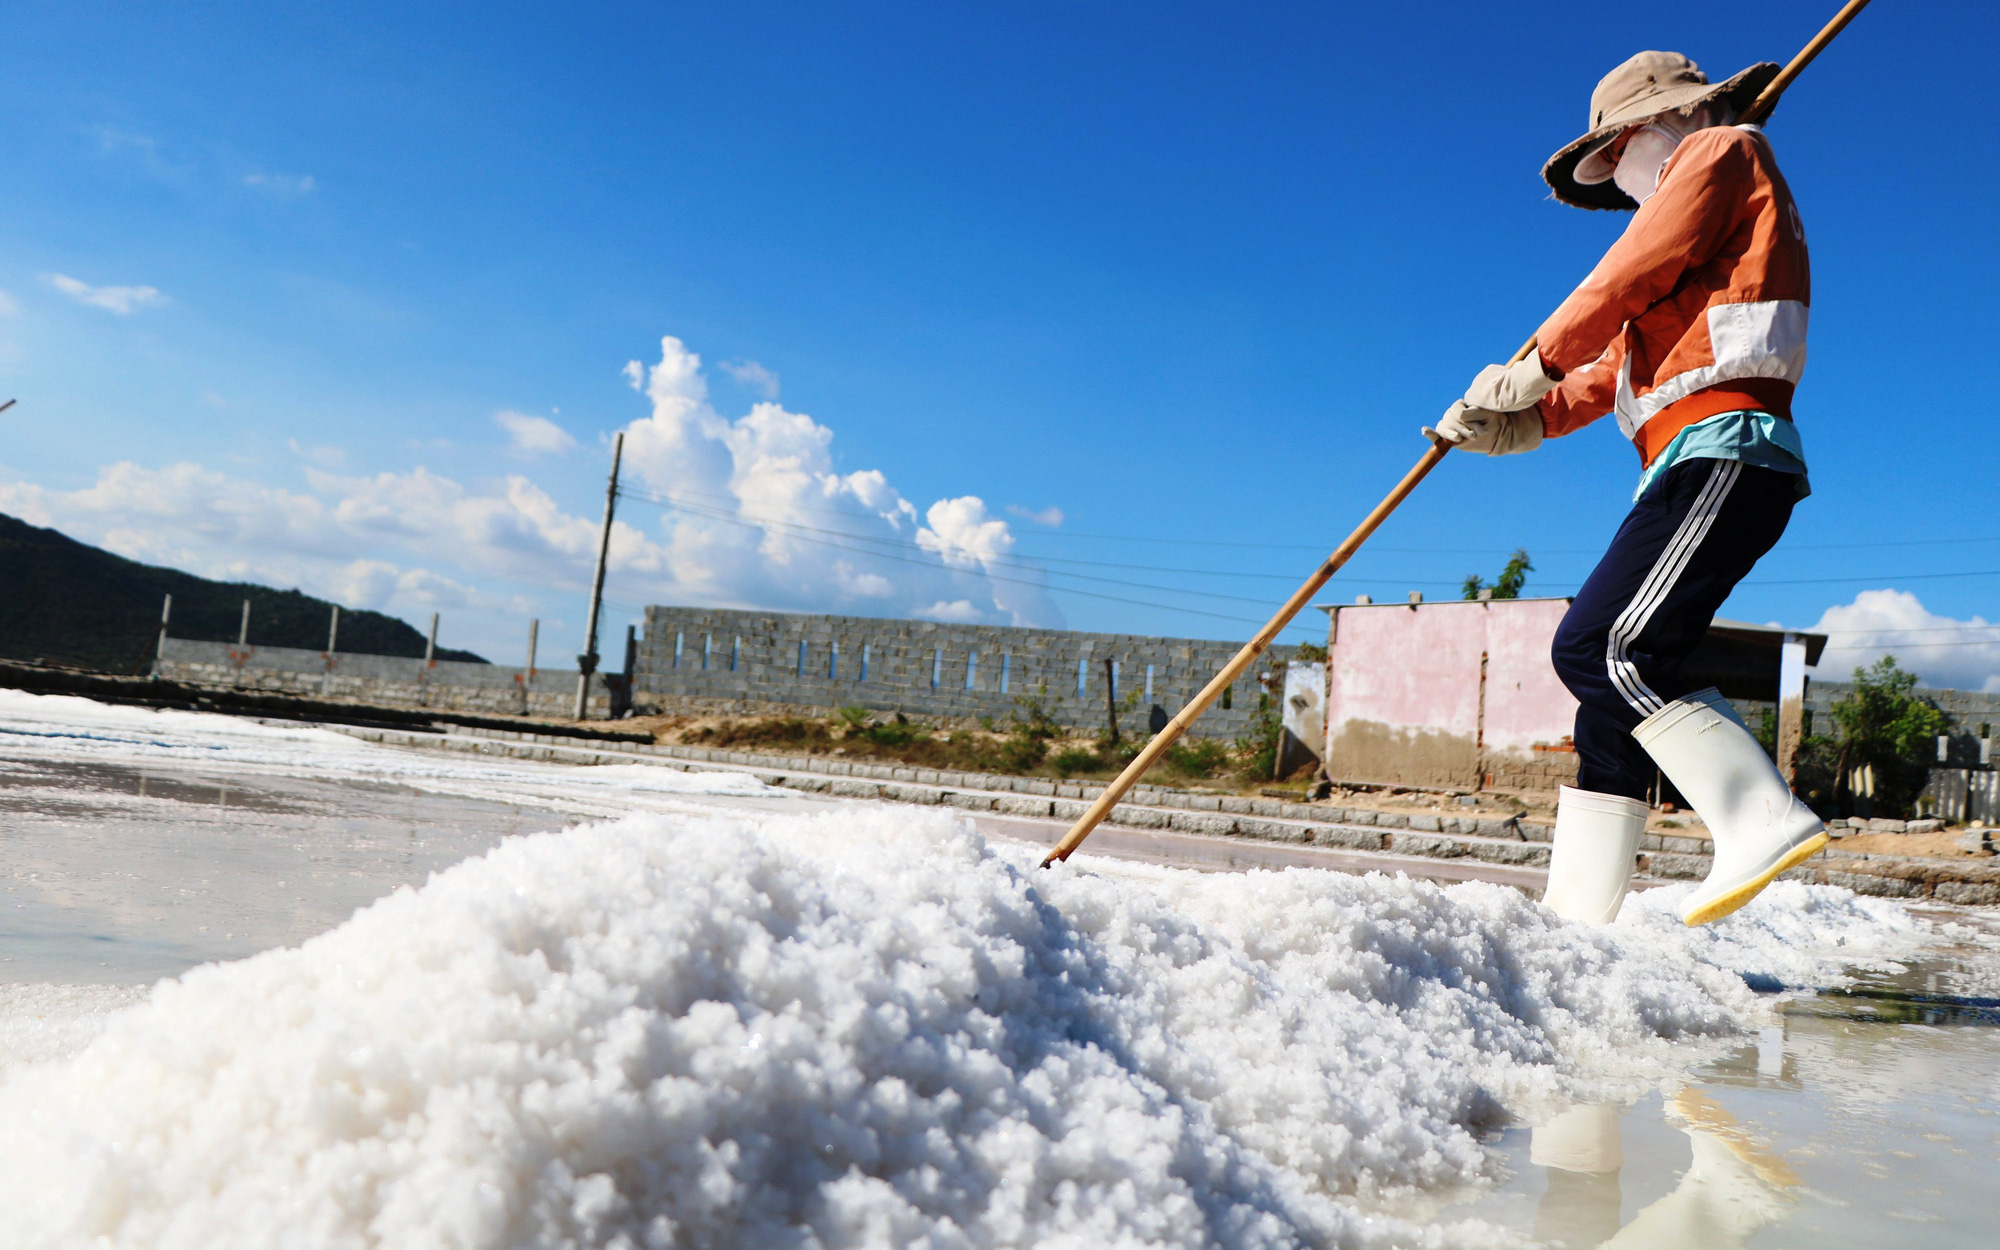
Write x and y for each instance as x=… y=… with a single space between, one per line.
x=1870 y=1118
x=1866 y=1117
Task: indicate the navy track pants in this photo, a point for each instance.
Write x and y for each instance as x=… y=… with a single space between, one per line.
x=1694 y=534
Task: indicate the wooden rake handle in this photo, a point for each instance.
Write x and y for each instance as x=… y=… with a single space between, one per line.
x=1178 y=726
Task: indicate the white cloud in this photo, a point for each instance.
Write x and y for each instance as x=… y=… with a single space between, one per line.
x=767 y=522
x=1946 y=652
x=762 y=518
x=325 y=457
x=122 y=300
x=281 y=184
x=957 y=612
x=1050 y=516
x=529 y=436
x=750 y=374
x=9 y=306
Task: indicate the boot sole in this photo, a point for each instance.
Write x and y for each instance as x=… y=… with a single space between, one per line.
x=1722 y=906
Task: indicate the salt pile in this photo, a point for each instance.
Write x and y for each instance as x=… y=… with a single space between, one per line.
x=862 y=1028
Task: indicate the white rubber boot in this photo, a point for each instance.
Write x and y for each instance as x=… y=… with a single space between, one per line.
x=1759 y=826
x=1595 y=844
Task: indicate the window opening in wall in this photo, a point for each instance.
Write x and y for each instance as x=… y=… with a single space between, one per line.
x=802 y=659
x=1006 y=662
x=1082 y=676
x=832 y=661
x=1228 y=697
x=1149 y=683
x=864 y=661
x=937 y=668
x=677 y=649
x=735 y=651
x=707 y=645
x=971 y=667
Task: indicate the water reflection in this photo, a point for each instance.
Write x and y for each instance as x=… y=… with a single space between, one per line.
x=1855 y=1118
x=1733 y=1186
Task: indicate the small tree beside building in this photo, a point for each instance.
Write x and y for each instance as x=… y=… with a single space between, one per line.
x=1880 y=758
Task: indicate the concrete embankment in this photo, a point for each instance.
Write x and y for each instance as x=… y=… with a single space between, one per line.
x=1443 y=846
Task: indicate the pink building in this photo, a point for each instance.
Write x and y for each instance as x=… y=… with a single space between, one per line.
x=1461 y=695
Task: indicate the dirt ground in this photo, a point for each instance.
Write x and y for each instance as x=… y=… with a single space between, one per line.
x=1940 y=845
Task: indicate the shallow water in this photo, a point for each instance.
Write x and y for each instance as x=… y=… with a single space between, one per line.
x=118 y=874
x=1830 y=1130
x=1863 y=1114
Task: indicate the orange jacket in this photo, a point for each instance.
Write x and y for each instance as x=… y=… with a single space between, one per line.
x=1698 y=309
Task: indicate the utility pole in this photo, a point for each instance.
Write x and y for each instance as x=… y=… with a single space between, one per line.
x=332 y=641
x=430 y=664
x=528 y=672
x=160 y=647
x=587 y=662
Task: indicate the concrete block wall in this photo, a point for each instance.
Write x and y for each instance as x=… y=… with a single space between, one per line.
x=1968 y=708
x=760 y=663
x=390 y=681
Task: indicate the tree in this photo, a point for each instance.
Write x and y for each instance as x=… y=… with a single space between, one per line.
x=1888 y=730
x=1513 y=576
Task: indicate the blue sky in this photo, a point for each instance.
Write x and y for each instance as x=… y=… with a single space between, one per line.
x=348 y=297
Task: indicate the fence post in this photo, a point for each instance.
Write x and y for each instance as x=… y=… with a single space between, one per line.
x=1111 y=696
x=1791 y=704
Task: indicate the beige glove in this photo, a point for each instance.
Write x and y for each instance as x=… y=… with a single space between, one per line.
x=1510 y=388
x=1495 y=433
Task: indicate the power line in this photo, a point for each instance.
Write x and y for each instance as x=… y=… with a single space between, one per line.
x=1905 y=647
x=933 y=558
x=1876 y=577
x=805 y=534
x=731 y=502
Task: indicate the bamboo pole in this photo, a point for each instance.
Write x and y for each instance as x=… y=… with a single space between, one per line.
x=1759 y=108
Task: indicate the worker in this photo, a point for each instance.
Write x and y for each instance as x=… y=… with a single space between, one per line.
x=1693 y=330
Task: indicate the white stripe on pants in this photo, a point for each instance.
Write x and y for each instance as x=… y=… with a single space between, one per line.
x=1659 y=582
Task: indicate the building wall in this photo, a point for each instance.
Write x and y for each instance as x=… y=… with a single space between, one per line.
x=753 y=663
x=1968 y=708
x=392 y=681
x=1454 y=695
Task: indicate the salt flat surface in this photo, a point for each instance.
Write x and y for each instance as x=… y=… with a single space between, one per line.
x=860 y=1026
x=60 y=728
x=136 y=844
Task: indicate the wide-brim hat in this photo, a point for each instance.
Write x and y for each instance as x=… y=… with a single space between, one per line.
x=1648 y=85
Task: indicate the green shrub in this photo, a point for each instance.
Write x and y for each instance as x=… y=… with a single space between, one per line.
x=1199 y=758
x=858 y=723
x=1072 y=760
x=897 y=733
x=1257 y=749
x=1029 y=730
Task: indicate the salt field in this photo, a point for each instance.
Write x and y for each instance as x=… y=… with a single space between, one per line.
x=629 y=1006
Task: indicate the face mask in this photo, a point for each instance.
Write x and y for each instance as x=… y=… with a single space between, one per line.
x=1646 y=153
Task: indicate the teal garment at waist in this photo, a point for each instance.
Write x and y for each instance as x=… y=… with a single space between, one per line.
x=1756 y=438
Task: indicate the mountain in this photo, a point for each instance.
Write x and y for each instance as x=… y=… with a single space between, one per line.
x=71 y=603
